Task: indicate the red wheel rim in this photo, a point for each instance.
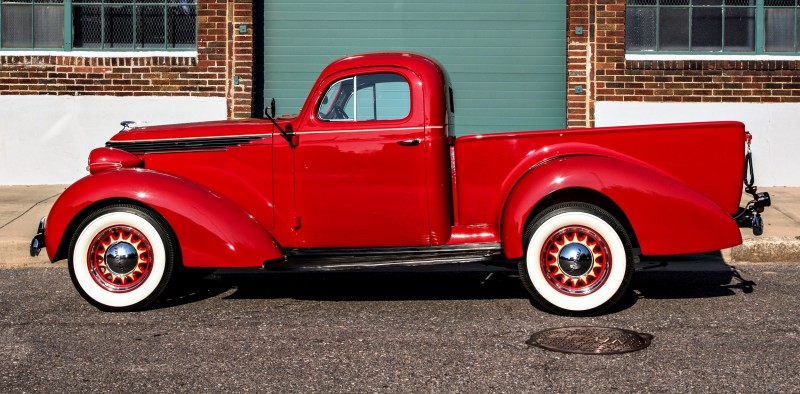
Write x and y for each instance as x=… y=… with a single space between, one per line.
x=120 y=274
x=590 y=278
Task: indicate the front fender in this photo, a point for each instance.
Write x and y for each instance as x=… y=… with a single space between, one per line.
x=666 y=215
x=211 y=230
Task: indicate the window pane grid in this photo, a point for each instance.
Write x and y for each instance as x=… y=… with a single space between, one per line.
x=781 y=21
x=106 y=25
x=713 y=26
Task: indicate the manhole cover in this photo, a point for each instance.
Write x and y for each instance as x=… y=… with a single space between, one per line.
x=590 y=340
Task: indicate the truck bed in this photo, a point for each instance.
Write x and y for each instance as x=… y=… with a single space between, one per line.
x=708 y=157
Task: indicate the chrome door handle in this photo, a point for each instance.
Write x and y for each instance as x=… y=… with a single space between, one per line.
x=413 y=142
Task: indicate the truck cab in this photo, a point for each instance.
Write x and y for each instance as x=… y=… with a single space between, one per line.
x=371 y=167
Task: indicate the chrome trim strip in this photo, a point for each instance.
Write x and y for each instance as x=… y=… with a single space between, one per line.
x=368 y=130
x=192 y=144
x=197 y=138
x=224 y=141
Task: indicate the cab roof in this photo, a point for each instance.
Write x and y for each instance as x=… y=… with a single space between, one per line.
x=424 y=66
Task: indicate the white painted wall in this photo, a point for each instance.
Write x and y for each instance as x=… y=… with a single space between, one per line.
x=47 y=139
x=775 y=129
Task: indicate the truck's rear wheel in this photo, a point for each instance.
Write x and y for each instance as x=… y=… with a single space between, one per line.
x=121 y=258
x=578 y=259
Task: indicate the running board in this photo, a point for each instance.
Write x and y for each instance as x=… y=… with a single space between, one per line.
x=349 y=259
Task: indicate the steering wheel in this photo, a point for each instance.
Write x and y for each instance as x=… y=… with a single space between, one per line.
x=340 y=114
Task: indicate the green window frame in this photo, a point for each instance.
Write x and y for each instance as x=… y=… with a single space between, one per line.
x=98 y=25
x=739 y=27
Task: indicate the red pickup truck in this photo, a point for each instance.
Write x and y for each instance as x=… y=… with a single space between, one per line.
x=370 y=173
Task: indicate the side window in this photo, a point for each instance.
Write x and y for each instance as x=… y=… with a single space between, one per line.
x=332 y=106
x=383 y=96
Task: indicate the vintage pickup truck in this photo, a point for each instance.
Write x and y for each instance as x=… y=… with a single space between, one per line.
x=370 y=173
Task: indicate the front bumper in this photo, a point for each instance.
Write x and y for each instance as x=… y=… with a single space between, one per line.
x=37 y=243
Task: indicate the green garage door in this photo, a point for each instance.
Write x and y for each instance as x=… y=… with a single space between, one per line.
x=506 y=59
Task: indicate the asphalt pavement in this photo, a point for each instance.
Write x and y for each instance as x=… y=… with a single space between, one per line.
x=21 y=207
x=717 y=328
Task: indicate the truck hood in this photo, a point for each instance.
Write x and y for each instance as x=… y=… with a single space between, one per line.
x=201 y=130
x=193 y=136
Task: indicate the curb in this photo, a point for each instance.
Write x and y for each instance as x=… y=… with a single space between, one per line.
x=16 y=253
x=767 y=250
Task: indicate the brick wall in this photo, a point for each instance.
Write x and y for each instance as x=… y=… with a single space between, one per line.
x=596 y=61
x=222 y=52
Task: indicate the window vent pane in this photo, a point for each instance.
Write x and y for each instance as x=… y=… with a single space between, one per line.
x=673 y=2
x=87 y=26
x=118 y=32
x=640 y=32
x=707 y=29
x=744 y=3
x=48 y=26
x=150 y=26
x=674 y=29
x=779 y=25
x=740 y=29
x=707 y=2
x=182 y=26
x=17 y=26
x=779 y=3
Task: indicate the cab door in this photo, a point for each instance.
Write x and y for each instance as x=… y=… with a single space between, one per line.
x=360 y=163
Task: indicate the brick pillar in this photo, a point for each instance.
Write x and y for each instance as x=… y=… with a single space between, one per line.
x=580 y=53
x=239 y=58
x=596 y=58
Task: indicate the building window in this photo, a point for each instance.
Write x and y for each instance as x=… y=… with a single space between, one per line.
x=107 y=25
x=712 y=26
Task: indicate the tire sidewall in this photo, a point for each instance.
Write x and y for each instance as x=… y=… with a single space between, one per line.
x=618 y=249
x=156 y=280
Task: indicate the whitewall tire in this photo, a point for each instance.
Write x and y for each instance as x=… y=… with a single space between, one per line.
x=578 y=259
x=121 y=258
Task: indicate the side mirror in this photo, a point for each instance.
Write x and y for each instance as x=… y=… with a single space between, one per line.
x=288 y=134
x=270 y=110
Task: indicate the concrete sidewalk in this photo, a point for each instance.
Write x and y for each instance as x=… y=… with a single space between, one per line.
x=21 y=207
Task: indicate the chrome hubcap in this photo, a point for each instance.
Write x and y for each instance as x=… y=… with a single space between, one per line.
x=121 y=258
x=575 y=260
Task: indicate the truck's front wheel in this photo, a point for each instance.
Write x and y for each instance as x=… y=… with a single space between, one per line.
x=578 y=259
x=121 y=258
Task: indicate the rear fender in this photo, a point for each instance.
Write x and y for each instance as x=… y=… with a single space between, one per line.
x=211 y=230
x=538 y=157
x=667 y=216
